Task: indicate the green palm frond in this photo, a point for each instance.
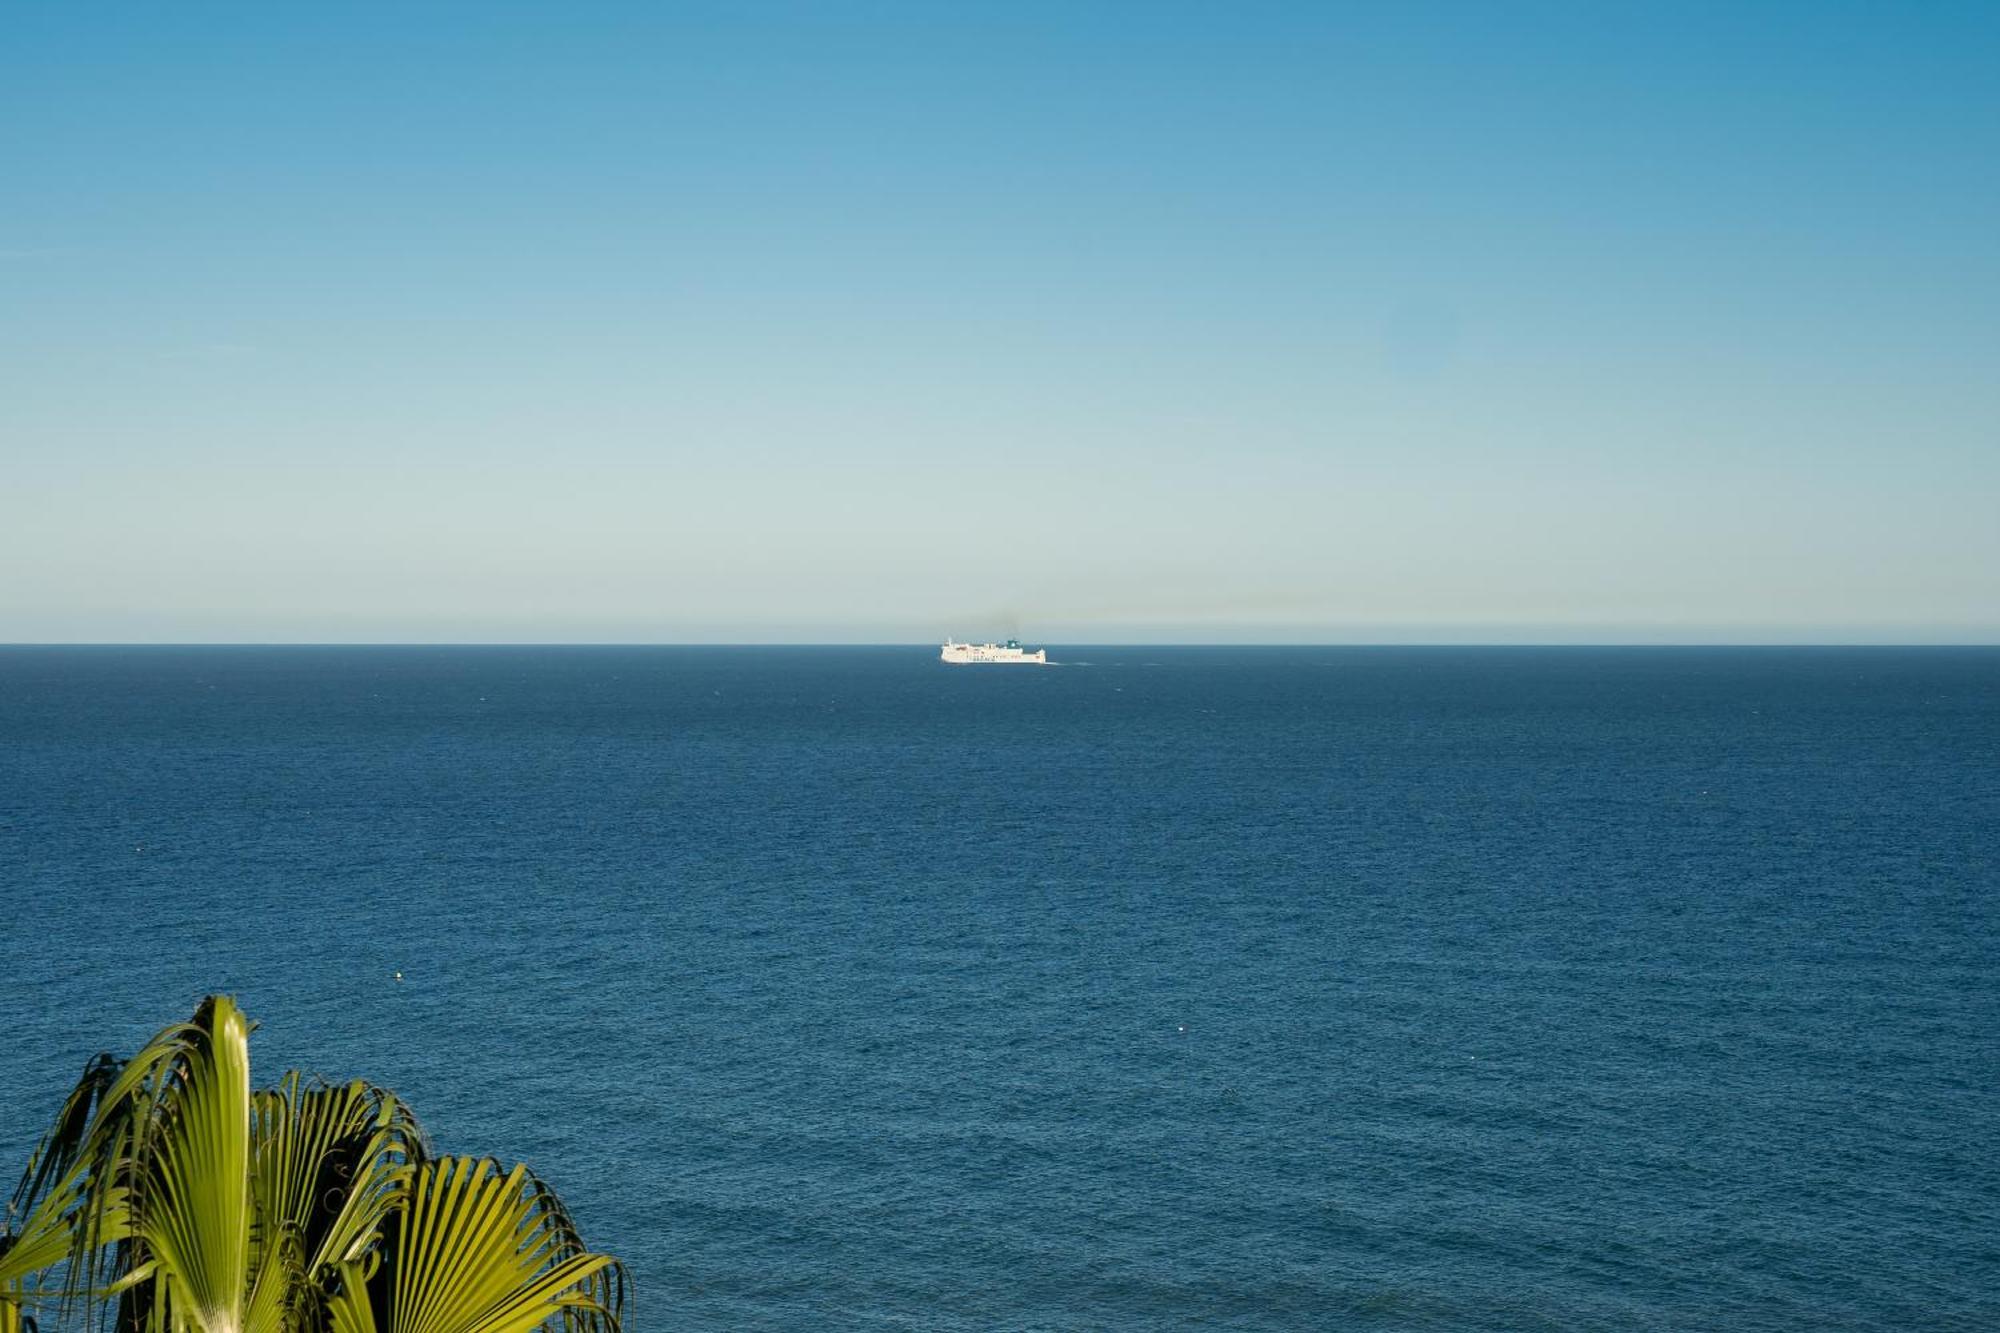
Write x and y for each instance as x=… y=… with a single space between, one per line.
x=63 y=1146
x=48 y=1237
x=277 y=1293
x=195 y=1205
x=330 y=1164
x=68 y=1207
x=476 y=1251
x=191 y=1194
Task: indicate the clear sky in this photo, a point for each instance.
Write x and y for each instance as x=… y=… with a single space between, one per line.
x=1092 y=322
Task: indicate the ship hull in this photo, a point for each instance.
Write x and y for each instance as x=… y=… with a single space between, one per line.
x=990 y=654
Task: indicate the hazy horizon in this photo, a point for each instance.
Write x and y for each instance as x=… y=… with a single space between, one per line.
x=1240 y=637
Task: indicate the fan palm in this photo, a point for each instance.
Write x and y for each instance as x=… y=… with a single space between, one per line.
x=172 y=1198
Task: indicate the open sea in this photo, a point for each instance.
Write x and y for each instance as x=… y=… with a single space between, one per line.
x=1284 y=988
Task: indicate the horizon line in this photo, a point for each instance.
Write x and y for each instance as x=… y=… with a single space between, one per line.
x=912 y=643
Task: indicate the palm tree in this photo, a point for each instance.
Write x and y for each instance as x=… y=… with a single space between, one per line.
x=169 y=1197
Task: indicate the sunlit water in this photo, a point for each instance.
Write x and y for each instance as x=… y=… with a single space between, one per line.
x=1274 y=989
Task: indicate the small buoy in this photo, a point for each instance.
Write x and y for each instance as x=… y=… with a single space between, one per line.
x=1184 y=1029
x=399 y=976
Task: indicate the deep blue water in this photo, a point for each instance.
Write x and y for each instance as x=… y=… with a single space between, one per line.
x=1254 y=989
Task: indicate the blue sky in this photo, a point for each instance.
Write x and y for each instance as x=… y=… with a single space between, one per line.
x=1087 y=322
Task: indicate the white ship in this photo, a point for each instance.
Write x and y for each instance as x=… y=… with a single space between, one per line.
x=1010 y=651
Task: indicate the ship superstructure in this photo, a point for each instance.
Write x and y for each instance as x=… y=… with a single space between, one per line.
x=965 y=654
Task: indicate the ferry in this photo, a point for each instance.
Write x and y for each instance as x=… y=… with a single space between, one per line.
x=964 y=654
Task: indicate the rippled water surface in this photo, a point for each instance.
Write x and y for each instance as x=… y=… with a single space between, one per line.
x=1259 y=989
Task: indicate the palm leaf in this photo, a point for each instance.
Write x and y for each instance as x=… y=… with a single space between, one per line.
x=475 y=1251
x=191 y=1179
x=329 y=1165
x=168 y=1187
x=67 y=1206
